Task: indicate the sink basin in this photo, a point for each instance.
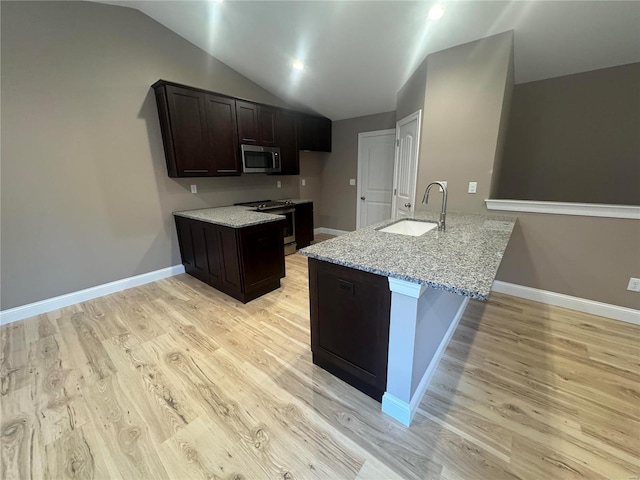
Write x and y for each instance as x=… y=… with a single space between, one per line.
x=409 y=227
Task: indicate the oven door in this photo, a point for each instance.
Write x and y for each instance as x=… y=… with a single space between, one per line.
x=290 y=222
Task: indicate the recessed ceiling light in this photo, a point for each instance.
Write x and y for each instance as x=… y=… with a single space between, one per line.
x=436 y=12
x=298 y=65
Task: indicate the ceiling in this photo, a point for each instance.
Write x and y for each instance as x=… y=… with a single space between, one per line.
x=358 y=54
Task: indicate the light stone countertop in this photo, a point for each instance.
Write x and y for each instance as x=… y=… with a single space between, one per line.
x=464 y=259
x=235 y=216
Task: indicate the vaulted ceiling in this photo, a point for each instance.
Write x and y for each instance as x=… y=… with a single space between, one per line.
x=358 y=54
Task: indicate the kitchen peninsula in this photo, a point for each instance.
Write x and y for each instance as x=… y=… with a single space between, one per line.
x=384 y=305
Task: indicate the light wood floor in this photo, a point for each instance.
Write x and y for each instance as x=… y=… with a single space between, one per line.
x=176 y=380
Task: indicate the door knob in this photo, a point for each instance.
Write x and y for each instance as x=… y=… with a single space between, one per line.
x=408 y=205
x=362 y=198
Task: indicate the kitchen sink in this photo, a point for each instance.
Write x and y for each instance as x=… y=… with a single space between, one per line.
x=409 y=227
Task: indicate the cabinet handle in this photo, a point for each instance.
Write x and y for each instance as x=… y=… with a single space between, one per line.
x=195 y=171
x=408 y=205
x=363 y=198
x=226 y=171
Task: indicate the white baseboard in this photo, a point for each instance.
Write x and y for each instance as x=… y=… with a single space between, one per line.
x=396 y=408
x=329 y=231
x=403 y=411
x=592 y=307
x=37 y=308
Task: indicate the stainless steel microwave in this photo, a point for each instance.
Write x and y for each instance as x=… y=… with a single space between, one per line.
x=256 y=159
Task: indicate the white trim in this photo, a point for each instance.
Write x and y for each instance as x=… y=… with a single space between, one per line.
x=43 y=306
x=396 y=408
x=566 y=208
x=329 y=231
x=410 y=289
x=592 y=307
x=403 y=411
x=361 y=137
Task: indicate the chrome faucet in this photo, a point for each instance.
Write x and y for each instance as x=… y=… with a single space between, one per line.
x=443 y=213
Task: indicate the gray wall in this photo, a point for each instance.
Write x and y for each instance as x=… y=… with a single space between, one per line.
x=466 y=89
x=85 y=197
x=585 y=257
x=337 y=205
x=410 y=97
x=575 y=138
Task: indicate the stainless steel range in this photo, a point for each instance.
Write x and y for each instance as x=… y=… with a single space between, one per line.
x=286 y=209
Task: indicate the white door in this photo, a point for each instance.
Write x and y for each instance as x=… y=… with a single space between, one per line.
x=375 y=176
x=406 y=165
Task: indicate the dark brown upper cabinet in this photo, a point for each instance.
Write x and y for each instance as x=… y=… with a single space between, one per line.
x=256 y=124
x=287 y=140
x=198 y=132
x=314 y=133
x=202 y=131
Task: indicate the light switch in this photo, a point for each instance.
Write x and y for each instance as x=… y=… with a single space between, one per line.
x=304 y=182
x=194 y=189
x=352 y=181
x=279 y=184
x=473 y=187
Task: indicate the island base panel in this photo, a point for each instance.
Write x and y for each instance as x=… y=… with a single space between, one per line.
x=350 y=325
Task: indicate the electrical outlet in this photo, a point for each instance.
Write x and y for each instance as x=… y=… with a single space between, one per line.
x=352 y=181
x=473 y=186
x=279 y=184
x=194 y=189
x=634 y=284
x=445 y=184
x=304 y=182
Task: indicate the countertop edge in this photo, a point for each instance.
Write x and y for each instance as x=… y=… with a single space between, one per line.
x=438 y=286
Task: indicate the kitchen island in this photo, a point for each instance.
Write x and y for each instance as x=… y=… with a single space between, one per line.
x=234 y=249
x=384 y=305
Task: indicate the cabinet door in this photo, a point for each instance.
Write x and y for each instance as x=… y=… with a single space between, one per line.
x=288 y=143
x=193 y=247
x=314 y=133
x=350 y=311
x=223 y=151
x=323 y=135
x=188 y=127
x=306 y=133
x=214 y=256
x=304 y=224
x=247 y=118
x=262 y=250
x=231 y=275
x=267 y=131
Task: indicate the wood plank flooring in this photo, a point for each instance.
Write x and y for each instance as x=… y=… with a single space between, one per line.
x=176 y=380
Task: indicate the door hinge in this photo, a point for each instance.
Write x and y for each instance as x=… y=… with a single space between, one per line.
x=395 y=191
x=397 y=142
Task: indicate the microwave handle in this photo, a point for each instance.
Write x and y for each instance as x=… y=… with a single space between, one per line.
x=276 y=160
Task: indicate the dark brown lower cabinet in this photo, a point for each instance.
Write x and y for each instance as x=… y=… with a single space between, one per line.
x=350 y=311
x=244 y=263
x=304 y=224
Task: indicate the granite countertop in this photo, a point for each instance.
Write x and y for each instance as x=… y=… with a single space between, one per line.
x=464 y=259
x=235 y=216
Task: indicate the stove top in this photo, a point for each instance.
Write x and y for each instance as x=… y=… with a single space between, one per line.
x=267 y=204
